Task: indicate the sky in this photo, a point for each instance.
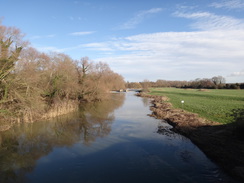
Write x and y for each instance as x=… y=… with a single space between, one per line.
x=139 y=39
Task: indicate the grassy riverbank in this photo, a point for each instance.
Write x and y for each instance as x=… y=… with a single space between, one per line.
x=214 y=105
x=221 y=143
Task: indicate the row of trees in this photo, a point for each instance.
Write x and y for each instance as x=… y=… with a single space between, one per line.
x=216 y=82
x=33 y=83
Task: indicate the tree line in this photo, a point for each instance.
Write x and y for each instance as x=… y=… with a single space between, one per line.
x=36 y=85
x=216 y=82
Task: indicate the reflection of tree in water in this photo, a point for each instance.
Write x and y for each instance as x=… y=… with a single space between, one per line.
x=22 y=145
x=146 y=101
x=97 y=118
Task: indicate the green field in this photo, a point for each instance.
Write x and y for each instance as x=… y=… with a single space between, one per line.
x=211 y=104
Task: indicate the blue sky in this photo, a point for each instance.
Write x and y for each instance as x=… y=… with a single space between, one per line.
x=139 y=39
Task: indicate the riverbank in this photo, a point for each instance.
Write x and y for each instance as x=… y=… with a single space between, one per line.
x=211 y=104
x=219 y=142
x=31 y=115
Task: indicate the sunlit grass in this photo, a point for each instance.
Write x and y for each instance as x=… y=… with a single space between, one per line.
x=212 y=104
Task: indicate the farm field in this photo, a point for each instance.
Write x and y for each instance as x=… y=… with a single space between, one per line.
x=215 y=105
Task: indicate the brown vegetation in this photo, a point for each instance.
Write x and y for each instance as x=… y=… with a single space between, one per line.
x=35 y=85
x=180 y=119
x=221 y=143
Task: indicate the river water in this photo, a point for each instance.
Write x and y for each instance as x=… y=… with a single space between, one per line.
x=109 y=142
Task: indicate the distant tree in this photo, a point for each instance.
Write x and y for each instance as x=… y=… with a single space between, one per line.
x=241 y=85
x=206 y=83
x=145 y=85
x=96 y=79
x=161 y=83
x=217 y=80
x=84 y=65
x=135 y=85
x=234 y=86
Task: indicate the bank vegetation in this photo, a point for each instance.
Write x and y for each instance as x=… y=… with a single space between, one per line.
x=36 y=85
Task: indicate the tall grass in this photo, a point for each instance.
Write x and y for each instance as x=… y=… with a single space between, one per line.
x=214 y=105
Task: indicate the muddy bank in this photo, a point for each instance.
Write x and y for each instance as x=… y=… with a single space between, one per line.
x=219 y=142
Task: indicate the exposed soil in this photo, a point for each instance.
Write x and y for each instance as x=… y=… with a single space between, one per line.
x=219 y=142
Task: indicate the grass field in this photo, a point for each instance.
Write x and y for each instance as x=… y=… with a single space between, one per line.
x=215 y=105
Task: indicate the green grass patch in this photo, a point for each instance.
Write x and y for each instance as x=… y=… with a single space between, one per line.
x=215 y=105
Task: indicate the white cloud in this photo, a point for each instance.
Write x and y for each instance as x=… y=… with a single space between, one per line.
x=210 y=21
x=229 y=4
x=49 y=49
x=82 y=33
x=171 y=55
x=97 y=46
x=42 y=36
x=138 y=18
x=35 y=37
x=215 y=49
x=176 y=55
x=51 y=35
x=236 y=74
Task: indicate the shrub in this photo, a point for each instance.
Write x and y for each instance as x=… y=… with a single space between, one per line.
x=238 y=119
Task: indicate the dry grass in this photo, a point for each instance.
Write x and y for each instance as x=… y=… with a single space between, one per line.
x=28 y=115
x=61 y=108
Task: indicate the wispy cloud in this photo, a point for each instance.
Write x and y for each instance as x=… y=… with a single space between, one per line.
x=81 y=33
x=51 y=35
x=174 y=55
x=138 y=18
x=49 y=49
x=171 y=55
x=211 y=21
x=215 y=48
x=71 y=18
x=229 y=4
x=42 y=36
x=236 y=74
x=98 y=46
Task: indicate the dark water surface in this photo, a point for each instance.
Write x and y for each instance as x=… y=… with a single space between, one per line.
x=110 y=142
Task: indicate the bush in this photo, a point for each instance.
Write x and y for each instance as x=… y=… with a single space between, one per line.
x=238 y=119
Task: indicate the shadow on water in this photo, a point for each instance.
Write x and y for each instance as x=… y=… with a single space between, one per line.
x=24 y=144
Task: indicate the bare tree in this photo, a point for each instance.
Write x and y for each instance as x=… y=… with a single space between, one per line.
x=218 y=80
x=34 y=83
x=145 y=85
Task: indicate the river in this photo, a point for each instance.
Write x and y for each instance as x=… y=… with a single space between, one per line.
x=109 y=142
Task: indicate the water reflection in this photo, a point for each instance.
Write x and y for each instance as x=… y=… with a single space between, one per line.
x=101 y=144
x=166 y=130
x=146 y=101
x=24 y=144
